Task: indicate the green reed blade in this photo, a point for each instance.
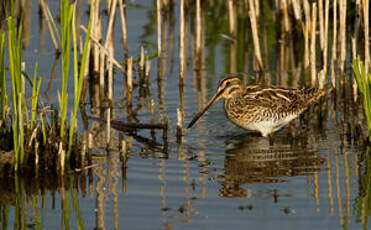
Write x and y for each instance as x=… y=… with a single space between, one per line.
x=34 y=98
x=3 y=95
x=364 y=85
x=66 y=25
x=19 y=104
x=50 y=16
x=78 y=76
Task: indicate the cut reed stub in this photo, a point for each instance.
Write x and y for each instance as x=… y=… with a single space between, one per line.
x=179 y=128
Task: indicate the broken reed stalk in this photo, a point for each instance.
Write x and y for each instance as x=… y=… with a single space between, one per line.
x=103 y=50
x=146 y=71
x=297 y=9
x=129 y=81
x=61 y=154
x=120 y=124
x=141 y=59
x=366 y=6
x=141 y=65
x=122 y=6
x=45 y=11
x=179 y=125
x=313 y=45
x=181 y=44
x=342 y=33
x=158 y=11
x=232 y=19
x=123 y=150
x=255 y=34
x=334 y=35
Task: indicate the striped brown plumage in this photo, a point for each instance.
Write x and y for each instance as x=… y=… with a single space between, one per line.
x=265 y=109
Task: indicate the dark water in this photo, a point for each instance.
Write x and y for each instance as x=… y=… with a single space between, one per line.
x=308 y=176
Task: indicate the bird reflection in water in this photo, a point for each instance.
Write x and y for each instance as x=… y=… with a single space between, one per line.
x=252 y=159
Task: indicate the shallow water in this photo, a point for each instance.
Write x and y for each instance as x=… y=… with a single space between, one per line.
x=308 y=176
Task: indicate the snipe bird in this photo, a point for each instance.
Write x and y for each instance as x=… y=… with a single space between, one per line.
x=265 y=109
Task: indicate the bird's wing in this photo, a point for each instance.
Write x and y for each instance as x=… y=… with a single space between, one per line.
x=275 y=98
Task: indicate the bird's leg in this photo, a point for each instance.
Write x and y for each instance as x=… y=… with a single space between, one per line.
x=270 y=138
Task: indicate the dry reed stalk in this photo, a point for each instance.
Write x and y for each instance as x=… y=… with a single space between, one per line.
x=141 y=60
x=96 y=33
x=109 y=33
x=286 y=20
x=232 y=20
x=342 y=33
x=158 y=11
x=179 y=125
x=334 y=35
x=123 y=150
x=198 y=34
x=129 y=81
x=146 y=71
x=90 y=141
x=61 y=154
x=122 y=6
x=101 y=75
x=255 y=34
x=321 y=79
x=354 y=41
x=37 y=155
x=50 y=27
x=306 y=34
x=257 y=8
x=321 y=24
x=366 y=6
x=313 y=44
x=104 y=51
x=181 y=44
x=325 y=37
x=110 y=94
x=297 y=9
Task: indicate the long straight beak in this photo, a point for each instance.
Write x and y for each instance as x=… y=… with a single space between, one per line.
x=199 y=114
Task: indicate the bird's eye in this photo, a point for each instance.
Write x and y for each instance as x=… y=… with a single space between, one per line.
x=228 y=83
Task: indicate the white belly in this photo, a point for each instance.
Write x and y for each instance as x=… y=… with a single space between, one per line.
x=266 y=127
